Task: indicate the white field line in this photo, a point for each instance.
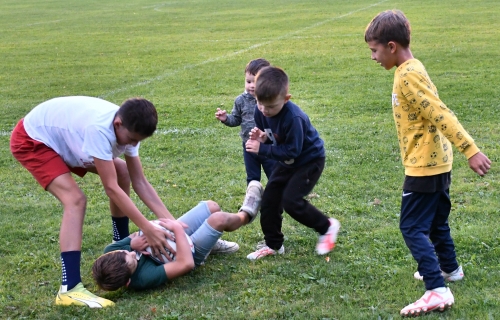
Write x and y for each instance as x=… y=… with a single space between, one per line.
x=232 y=54
x=162 y=132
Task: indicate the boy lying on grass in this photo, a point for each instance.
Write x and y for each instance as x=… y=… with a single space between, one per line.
x=125 y=264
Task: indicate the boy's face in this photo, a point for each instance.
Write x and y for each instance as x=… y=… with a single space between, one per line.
x=273 y=107
x=124 y=136
x=250 y=83
x=131 y=260
x=383 y=54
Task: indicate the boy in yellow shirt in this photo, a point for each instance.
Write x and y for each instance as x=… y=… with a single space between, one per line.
x=426 y=129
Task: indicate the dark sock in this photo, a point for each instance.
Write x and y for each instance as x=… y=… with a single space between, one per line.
x=71 y=268
x=120 y=228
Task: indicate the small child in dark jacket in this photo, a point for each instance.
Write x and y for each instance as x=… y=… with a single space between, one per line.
x=284 y=132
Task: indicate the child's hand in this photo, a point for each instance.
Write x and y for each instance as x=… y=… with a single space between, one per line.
x=480 y=163
x=252 y=146
x=139 y=243
x=172 y=225
x=221 y=115
x=156 y=239
x=257 y=134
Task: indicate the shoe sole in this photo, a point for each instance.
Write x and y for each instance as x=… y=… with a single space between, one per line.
x=260 y=256
x=225 y=251
x=439 y=308
x=80 y=302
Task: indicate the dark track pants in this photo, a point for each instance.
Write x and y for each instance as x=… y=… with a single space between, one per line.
x=286 y=190
x=424 y=217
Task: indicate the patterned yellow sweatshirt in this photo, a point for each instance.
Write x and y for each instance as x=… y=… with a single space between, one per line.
x=424 y=124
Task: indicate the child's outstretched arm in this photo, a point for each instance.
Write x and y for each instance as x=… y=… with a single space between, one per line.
x=184 y=257
x=479 y=163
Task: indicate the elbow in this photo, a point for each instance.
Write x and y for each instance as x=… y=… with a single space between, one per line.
x=186 y=265
x=110 y=191
x=189 y=263
x=138 y=185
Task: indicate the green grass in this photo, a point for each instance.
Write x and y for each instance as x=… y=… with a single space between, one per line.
x=188 y=57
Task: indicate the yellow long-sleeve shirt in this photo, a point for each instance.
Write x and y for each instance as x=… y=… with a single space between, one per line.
x=424 y=124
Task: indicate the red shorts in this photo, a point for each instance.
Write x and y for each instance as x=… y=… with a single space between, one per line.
x=41 y=161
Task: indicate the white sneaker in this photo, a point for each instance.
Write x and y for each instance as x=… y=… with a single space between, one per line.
x=223 y=246
x=456 y=275
x=326 y=242
x=253 y=198
x=265 y=251
x=430 y=301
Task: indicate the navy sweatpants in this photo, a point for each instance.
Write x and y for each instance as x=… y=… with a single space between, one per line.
x=424 y=225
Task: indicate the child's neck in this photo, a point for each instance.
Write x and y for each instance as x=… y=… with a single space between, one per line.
x=404 y=54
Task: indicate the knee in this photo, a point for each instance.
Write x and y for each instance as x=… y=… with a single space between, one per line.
x=292 y=205
x=213 y=206
x=122 y=174
x=218 y=220
x=76 y=199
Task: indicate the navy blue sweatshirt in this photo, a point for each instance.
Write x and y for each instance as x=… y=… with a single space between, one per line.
x=291 y=138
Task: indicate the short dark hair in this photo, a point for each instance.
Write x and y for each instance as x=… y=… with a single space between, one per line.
x=270 y=83
x=390 y=25
x=110 y=271
x=254 y=66
x=138 y=115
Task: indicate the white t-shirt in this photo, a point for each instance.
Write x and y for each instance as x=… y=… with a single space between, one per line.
x=78 y=128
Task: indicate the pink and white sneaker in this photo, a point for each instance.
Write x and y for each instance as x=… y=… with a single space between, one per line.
x=430 y=301
x=326 y=242
x=265 y=251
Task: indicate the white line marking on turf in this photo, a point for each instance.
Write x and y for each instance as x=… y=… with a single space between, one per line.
x=232 y=54
x=162 y=132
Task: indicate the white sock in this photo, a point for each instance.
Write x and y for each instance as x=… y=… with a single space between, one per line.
x=439 y=290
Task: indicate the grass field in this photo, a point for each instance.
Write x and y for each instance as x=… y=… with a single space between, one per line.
x=188 y=58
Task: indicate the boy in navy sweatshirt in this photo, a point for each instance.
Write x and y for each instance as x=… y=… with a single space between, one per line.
x=284 y=133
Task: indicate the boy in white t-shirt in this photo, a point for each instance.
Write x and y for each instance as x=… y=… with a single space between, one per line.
x=84 y=134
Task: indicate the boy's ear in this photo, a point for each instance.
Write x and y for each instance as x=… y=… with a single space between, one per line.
x=287 y=97
x=392 y=46
x=117 y=122
x=128 y=282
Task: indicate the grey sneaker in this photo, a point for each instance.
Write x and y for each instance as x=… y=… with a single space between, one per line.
x=223 y=246
x=253 y=198
x=456 y=275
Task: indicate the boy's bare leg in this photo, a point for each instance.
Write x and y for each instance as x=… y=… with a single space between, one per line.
x=74 y=202
x=223 y=221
